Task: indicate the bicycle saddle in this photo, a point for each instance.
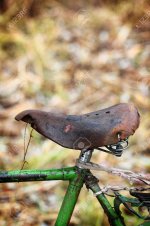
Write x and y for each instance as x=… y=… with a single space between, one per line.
x=86 y=131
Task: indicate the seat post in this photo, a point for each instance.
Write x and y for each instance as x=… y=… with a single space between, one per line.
x=85 y=156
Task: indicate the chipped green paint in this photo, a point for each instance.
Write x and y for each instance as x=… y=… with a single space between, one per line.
x=113 y=217
x=70 y=199
x=76 y=177
x=37 y=175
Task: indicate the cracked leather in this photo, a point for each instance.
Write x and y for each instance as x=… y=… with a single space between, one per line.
x=86 y=131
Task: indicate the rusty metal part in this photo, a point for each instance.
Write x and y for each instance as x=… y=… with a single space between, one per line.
x=116 y=149
x=87 y=131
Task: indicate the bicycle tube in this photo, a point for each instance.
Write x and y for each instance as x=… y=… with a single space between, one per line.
x=70 y=200
x=113 y=217
x=37 y=175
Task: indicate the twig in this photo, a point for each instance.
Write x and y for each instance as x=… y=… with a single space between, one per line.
x=120 y=172
x=107 y=188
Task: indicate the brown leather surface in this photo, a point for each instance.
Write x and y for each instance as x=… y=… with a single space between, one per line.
x=85 y=131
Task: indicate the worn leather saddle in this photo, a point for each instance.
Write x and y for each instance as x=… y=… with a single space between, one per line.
x=86 y=131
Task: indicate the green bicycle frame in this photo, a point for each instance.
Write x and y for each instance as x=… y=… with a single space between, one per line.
x=77 y=177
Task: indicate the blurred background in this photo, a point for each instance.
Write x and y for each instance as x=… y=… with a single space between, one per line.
x=70 y=57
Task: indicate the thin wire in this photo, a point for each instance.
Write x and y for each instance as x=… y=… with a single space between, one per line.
x=26 y=148
x=24 y=137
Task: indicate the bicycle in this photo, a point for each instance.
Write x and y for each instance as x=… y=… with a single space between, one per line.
x=80 y=173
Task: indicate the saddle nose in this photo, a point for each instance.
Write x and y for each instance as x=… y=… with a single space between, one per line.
x=26 y=116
